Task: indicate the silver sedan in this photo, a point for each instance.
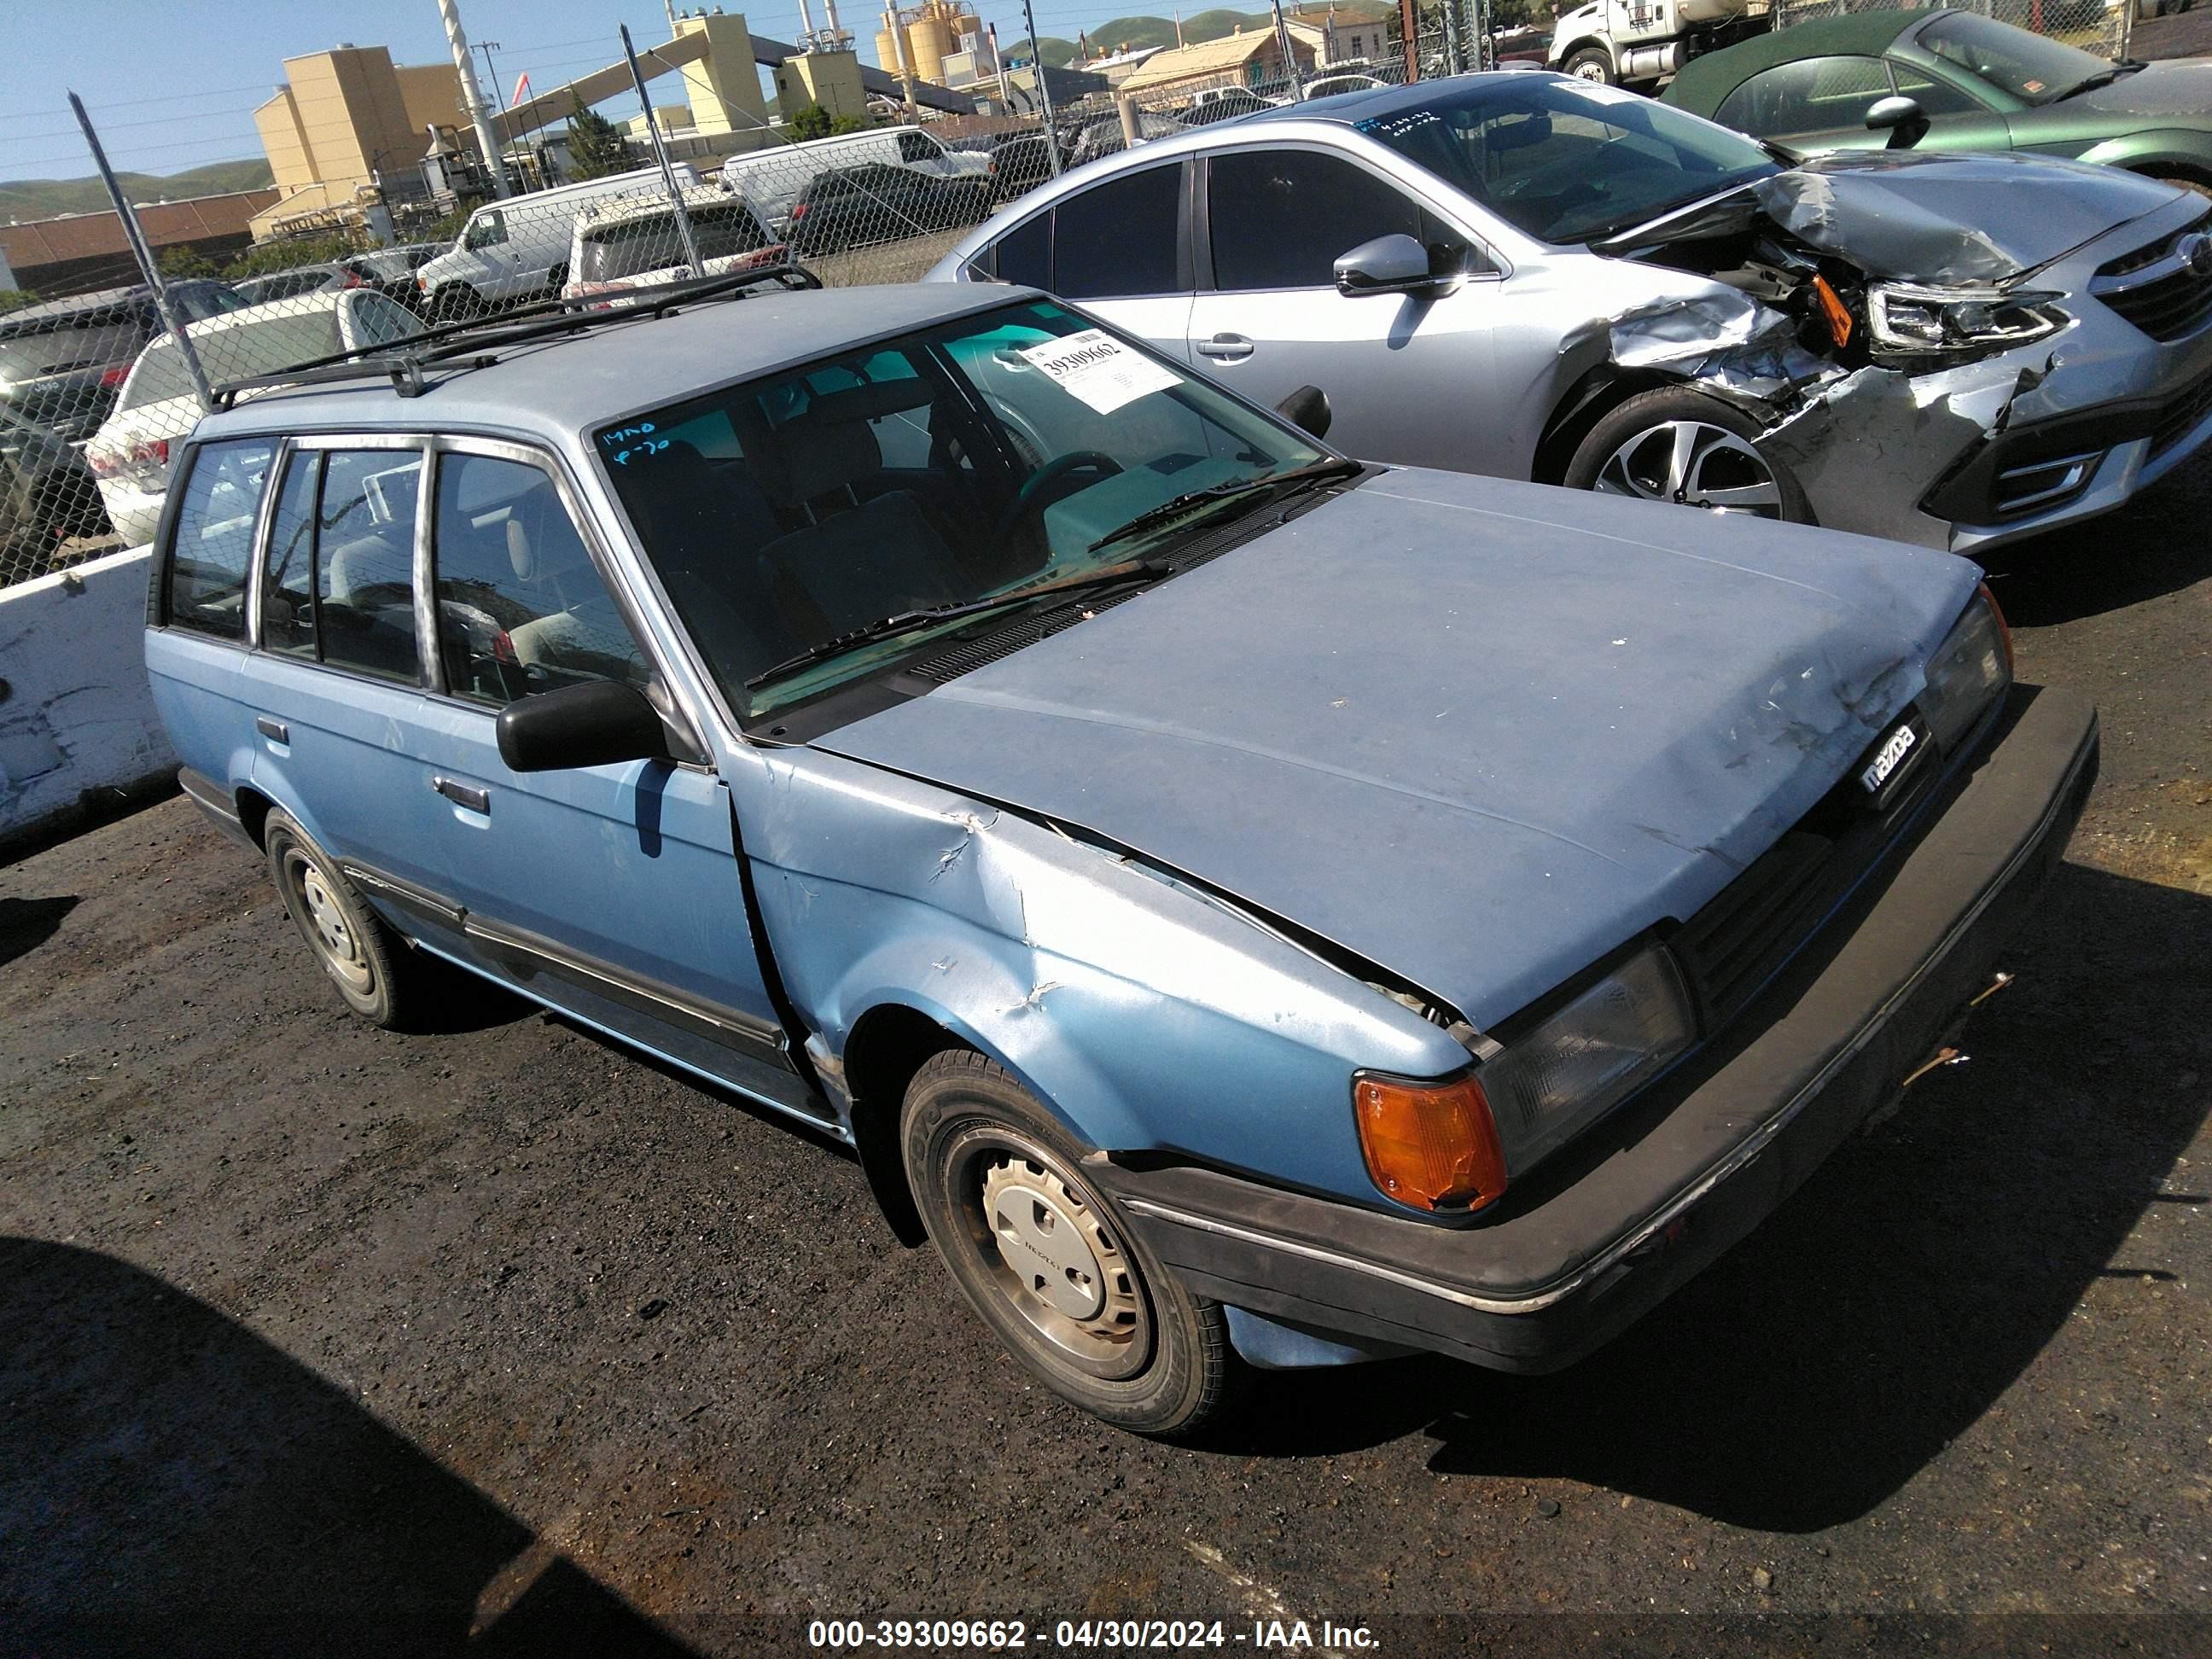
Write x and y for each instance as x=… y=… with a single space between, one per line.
x=1537 y=277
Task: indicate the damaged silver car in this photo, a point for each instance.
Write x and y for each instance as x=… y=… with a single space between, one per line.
x=1539 y=277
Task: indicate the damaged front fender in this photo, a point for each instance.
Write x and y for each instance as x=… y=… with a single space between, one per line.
x=1147 y=1016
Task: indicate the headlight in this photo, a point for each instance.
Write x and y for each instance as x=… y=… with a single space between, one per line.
x=1968 y=671
x=1904 y=317
x=1451 y=1145
x=1556 y=1080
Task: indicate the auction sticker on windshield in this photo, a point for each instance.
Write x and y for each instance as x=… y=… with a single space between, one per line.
x=1098 y=370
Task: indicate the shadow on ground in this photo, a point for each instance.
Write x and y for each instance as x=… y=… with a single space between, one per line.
x=1813 y=1371
x=171 y=1483
x=28 y=923
x=2153 y=546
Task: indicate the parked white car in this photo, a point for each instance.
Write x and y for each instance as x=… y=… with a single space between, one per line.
x=512 y=250
x=772 y=179
x=625 y=244
x=159 y=405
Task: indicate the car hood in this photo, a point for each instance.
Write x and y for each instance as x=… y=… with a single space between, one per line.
x=1952 y=218
x=1479 y=733
x=2171 y=86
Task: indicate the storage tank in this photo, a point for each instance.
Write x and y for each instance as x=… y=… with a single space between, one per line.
x=887 y=54
x=927 y=40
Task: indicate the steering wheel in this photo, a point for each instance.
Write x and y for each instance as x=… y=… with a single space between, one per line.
x=1027 y=499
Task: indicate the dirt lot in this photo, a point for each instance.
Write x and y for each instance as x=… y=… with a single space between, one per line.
x=314 y=1339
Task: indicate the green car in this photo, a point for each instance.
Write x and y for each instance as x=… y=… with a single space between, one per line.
x=1980 y=84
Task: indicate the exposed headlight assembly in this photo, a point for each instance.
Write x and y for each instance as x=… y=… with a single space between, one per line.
x=1453 y=1144
x=1905 y=317
x=1969 y=671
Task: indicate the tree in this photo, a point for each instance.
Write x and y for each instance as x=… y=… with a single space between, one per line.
x=596 y=145
x=848 y=124
x=811 y=121
x=185 y=261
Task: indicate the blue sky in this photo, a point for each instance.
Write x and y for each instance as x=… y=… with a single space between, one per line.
x=173 y=83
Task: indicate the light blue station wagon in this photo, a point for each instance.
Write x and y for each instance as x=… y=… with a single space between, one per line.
x=1232 y=900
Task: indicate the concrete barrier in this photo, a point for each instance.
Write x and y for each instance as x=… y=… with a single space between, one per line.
x=77 y=728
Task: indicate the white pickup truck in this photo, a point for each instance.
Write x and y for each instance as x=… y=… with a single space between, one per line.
x=1639 y=43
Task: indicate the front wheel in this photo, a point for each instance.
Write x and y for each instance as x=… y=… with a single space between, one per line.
x=1679 y=446
x=1047 y=1263
x=1592 y=63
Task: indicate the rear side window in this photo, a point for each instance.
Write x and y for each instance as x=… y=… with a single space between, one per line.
x=1118 y=241
x=1281 y=219
x=365 y=562
x=1024 y=255
x=520 y=606
x=214 y=544
x=918 y=147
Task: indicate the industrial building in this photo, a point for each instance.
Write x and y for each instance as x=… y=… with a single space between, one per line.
x=1246 y=58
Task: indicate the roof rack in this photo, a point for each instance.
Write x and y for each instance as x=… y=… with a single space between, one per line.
x=403 y=361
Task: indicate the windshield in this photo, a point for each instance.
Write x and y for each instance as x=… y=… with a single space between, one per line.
x=651 y=243
x=1567 y=161
x=241 y=350
x=965 y=463
x=2028 y=66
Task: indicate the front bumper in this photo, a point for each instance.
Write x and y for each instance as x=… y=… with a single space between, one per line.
x=1664 y=1187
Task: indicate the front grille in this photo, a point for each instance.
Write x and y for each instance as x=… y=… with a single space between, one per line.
x=2166 y=308
x=1007 y=638
x=2173 y=301
x=2181 y=413
x=2151 y=252
x=1731 y=948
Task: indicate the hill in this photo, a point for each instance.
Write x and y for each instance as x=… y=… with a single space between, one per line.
x=1146 y=31
x=46 y=198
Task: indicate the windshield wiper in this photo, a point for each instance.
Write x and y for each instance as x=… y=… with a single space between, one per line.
x=2102 y=78
x=908 y=621
x=1182 y=506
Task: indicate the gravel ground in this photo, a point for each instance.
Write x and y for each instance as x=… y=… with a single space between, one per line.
x=316 y=1339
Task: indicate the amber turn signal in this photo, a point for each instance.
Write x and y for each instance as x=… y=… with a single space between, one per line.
x=1837 y=314
x=1432 y=1145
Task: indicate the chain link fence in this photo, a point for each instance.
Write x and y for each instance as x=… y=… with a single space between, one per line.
x=2102 y=26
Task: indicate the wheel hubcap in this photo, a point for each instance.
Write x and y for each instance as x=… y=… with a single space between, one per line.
x=332 y=935
x=1589 y=72
x=1693 y=464
x=1059 y=1264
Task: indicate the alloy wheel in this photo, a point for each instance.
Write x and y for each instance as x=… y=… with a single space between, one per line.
x=1692 y=464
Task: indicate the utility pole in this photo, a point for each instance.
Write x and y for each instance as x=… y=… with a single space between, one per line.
x=1044 y=91
x=488 y=47
x=170 y=318
x=1290 y=64
x=472 y=98
x=660 y=155
x=1455 y=63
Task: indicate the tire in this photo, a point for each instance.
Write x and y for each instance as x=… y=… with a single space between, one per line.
x=1122 y=1338
x=457 y=302
x=376 y=974
x=1638 y=451
x=1591 y=63
x=557 y=278
x=2180 y=182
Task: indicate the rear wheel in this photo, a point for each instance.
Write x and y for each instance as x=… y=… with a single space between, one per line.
x=1680 y=445
x=375 y=973
x=1047 y=1263
x=1592 y=63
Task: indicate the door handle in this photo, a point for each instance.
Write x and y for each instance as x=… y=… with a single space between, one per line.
x=276 y=730
x=463 y=794
x=1225 y=348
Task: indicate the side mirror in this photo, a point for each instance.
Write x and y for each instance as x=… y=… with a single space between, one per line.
x=1902 y=118
x=597 y=723
x=1307 y=409
x=1390 y=264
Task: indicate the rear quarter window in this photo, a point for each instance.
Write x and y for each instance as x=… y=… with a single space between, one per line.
x=212 y=546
